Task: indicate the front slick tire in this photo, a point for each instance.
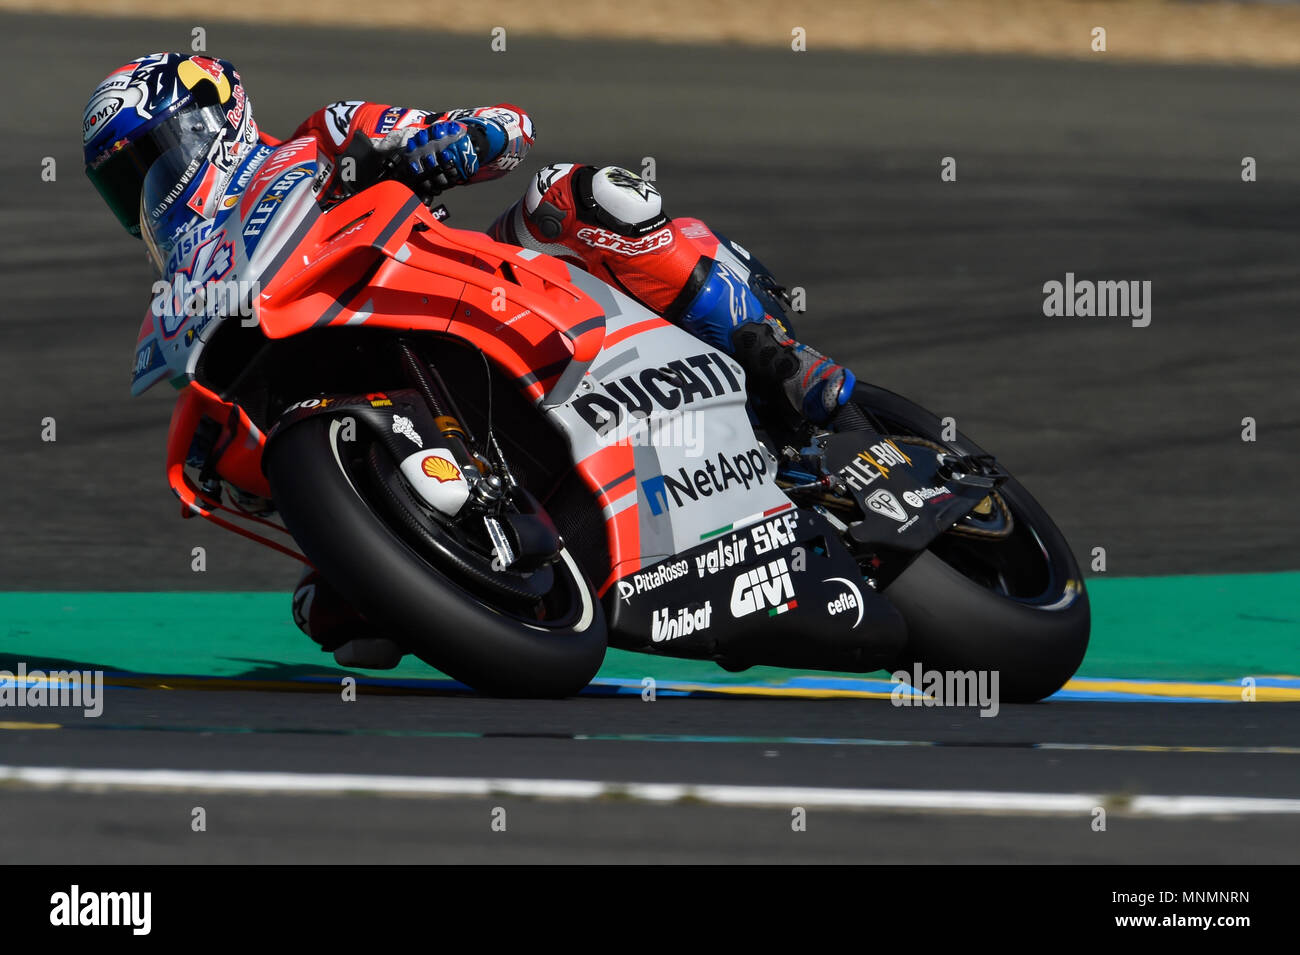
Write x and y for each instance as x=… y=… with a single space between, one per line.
x=402 y=594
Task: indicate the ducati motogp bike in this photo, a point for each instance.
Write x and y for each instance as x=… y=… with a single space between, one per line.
x=505 y=464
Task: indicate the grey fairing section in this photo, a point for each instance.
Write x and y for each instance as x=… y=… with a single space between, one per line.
x=678 y=442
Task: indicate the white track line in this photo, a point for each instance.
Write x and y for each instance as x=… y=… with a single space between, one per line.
x=785 y=796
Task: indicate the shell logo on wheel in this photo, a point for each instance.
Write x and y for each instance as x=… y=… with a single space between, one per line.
x=440 y=468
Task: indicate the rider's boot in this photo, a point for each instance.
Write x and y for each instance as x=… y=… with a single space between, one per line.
x=726 y=308
x=321 y=612
x=610 y=222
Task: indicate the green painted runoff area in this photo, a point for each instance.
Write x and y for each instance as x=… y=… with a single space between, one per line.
x=1182 y=628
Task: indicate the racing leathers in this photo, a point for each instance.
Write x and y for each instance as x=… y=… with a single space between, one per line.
x=608 y=221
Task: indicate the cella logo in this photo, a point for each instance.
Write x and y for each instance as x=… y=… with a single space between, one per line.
x=847 y=602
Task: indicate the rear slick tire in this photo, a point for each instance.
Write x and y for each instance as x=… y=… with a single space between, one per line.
x=1034 y=641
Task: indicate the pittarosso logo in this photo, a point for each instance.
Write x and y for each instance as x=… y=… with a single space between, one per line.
x=652 y=579
x=77 y=908
x=921 y=495
x=667 y=626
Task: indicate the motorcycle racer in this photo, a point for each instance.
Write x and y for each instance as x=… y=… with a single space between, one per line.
x=187 y=120
x=194 y=113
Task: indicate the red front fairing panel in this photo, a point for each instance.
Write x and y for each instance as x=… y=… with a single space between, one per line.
x=241 y=442
x=382 y=260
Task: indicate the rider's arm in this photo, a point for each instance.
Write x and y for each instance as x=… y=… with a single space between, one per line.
x=370 y=133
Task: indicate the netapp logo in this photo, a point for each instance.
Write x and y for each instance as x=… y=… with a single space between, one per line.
x=678 y=383
x=651 y=579
x=670 y=626
x=746 y=468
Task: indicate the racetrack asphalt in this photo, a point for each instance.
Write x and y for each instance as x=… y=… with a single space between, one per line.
x=826 y=165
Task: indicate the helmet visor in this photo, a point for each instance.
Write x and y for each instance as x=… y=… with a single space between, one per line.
x=119 y=173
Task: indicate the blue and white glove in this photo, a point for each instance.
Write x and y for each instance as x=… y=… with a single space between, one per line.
x=437 y=158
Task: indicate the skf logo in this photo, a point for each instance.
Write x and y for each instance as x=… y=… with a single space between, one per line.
x=764 y=588
x=440 y=469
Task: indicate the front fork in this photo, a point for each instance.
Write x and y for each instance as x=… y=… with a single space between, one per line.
x=424 y=378
x=522 y=536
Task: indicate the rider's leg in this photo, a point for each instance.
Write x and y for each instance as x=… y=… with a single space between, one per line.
x=321 y=612
x=610 y=222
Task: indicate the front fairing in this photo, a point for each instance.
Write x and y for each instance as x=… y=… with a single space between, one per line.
x=211 y=274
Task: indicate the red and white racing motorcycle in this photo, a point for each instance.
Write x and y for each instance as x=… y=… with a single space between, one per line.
x=504 y=463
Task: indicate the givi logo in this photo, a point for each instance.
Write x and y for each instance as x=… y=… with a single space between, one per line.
x=763 y=587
